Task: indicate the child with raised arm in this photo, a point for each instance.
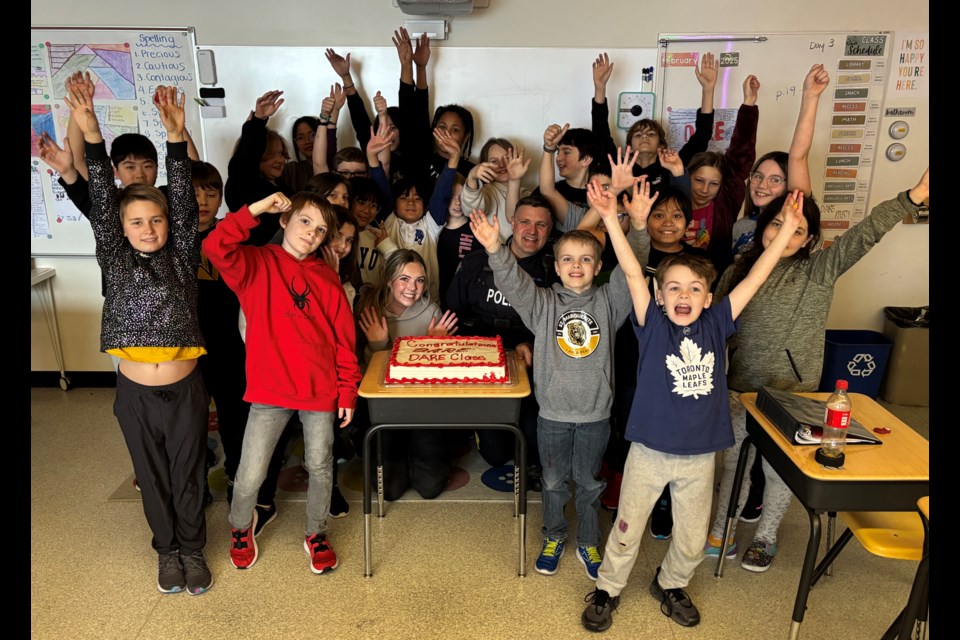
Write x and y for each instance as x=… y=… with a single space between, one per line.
x=148 y=252
x=780 y=342
x=679 y=418
x=646 y=136
x=573 y=377
x=301 y=356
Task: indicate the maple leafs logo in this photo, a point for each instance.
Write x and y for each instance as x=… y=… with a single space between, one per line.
x=693 y=375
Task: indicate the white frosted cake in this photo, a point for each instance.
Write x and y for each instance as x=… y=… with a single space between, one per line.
x=447 y=360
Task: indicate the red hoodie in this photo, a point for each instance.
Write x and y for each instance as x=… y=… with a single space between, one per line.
x=300 y=328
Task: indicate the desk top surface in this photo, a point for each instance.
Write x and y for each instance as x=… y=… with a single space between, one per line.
x=373 y=386
x=904 y=454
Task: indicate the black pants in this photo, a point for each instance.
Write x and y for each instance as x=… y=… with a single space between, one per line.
x=418 y=458
x=165 y=428
x=225 y=379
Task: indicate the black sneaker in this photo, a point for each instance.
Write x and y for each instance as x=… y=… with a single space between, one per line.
x=170 y=573
x=534 y=478
x=339 y=507
x=661 y=520
x=196 y=572
x=265 y=515
x=675 y=603
x=598 y=616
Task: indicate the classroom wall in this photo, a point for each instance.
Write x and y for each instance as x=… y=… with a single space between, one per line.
x=895 y=273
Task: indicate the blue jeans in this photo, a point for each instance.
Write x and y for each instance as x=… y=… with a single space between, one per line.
x=572 y=449
x=264 y=426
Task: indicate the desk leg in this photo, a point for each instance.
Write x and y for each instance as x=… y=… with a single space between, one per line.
x=45 y=294
x=366 y=502
x=806 y=576
x=520 y=483
x=380 y=505
x=734 y=498
x=520 y=496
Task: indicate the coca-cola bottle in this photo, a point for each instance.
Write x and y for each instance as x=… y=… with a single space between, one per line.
x=836 y=419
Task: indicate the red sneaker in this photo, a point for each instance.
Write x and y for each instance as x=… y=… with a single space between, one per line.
x=322 y=556
x=243 y=546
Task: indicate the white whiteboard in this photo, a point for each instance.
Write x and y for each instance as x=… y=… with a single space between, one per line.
x=126 y=65
x=513 y=93
x=845 y=143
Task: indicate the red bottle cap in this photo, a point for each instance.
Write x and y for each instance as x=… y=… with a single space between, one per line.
x=842 y=384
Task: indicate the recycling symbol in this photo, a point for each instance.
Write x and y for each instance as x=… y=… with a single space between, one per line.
x=861 y=365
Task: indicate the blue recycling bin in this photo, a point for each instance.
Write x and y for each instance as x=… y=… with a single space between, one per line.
x=857 y=356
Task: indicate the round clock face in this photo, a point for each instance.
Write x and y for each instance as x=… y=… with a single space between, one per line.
x=633 y=106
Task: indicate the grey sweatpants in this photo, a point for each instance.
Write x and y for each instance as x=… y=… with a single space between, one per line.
x=691 y=486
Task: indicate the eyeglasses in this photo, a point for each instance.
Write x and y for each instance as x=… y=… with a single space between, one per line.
x=353 y=174
x=757 y=178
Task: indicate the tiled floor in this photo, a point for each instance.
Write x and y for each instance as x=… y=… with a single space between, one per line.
x=441 y=570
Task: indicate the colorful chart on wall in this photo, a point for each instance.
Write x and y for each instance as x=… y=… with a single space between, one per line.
x=126 y=65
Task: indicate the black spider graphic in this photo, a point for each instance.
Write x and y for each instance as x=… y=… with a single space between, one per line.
x=300 y=300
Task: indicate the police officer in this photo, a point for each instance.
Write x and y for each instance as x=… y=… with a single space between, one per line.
x=483 y=311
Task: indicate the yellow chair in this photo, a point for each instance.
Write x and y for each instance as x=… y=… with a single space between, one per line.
x=901 y=535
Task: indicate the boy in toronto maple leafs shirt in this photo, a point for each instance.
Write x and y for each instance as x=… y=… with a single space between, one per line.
x=680 y=415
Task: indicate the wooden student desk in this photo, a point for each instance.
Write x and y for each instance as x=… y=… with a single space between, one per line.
x=459 y=406
x=887 y=477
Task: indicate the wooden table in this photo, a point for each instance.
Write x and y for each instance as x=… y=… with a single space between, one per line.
x=887 y=477
x=43 y=277
x=455 y=406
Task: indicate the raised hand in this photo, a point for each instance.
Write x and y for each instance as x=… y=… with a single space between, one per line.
x=379 y=232
x=274 y=203
x=816 y=81
x=602 y=70
x=516 y=165
x=792 y=212
x=80 y=100
x=373 y=326
x=446 y=325
x=921 y=192
x=60 y=160
x=169 y=103
x=639 y=205
x=341 y=65
x=379 y=103
x=449 y=147
x=486 y=231
x=621 y=171
x=670 y=160
x=267 y=104
x=421 y=55
x=603 y=201
x=707 y=71
x=751 y=87
x=330 y=257
x=381 y=139
x=83 y=77
x=554 y=134
x=401 y=40
x=485 y=172
x=339 y=97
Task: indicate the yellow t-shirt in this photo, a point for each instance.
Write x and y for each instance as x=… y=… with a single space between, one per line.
x=157 y=354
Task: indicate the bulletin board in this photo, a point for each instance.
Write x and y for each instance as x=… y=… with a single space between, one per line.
x=513 y=93
x=126 y=65
x=845 y=142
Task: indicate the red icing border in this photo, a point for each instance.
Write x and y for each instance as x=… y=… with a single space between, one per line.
x=485 y=379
